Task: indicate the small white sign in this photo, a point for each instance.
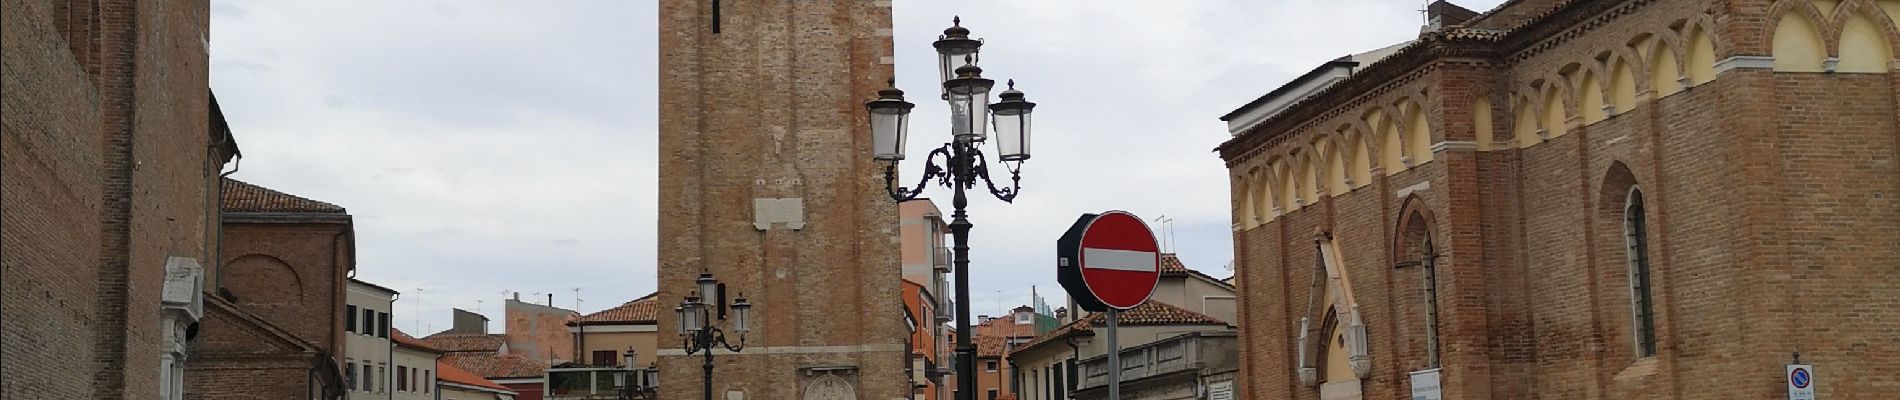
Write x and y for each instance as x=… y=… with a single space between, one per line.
x=1425 y=385
x=1800 y=382
x=1223 y=390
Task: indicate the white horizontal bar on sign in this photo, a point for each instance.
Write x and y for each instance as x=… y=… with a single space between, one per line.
x=1115 y=259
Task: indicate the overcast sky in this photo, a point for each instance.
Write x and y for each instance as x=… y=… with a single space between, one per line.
x=487 y=147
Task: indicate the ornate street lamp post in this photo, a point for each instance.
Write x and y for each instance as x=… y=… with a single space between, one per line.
x=696 y=326
x=971 y=113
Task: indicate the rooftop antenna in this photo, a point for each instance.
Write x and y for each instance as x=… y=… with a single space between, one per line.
x=418 y=317
x=577 y=299
x=1167 y=233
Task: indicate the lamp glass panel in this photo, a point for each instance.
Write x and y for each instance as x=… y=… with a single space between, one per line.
x=708 y=288
x=888 y=132
x=742 y=318
x=1012 y=135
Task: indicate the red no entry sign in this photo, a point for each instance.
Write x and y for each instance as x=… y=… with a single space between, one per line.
x=1109 y=260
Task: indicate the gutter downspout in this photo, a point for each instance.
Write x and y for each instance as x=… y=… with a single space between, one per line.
x=216 y=203
x=390 y=343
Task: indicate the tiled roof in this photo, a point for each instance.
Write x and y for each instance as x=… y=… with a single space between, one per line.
x=240 y=196
x=403 y=339
x=497 y=366
x=989 y=346
x=448 y=372
x=1151 y=313
x=466 y=342
x=1004 y=326
x=1171 y=265
x=644 y=310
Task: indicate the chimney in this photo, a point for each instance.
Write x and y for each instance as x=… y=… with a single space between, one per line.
x=550 y=300
x=517 y=296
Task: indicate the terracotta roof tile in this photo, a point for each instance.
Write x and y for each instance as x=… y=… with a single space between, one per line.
x=1003 y=326
x=403 y=339
x=240 y=196
x=989 y=346
x=466 y=342
x=1151 y=313
x=497 y=366
x=644 y=310
x=1172 y=265
x=449 y=372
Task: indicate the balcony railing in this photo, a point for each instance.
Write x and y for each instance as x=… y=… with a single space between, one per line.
x=1197 y=351
x=598 y=383
x=941 y=258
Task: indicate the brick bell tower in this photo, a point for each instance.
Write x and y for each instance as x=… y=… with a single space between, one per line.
x=766 y=181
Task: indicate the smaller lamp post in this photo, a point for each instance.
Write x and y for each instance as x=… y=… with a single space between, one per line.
x=696 y=326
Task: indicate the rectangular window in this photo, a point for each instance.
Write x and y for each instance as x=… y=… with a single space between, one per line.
x=402 y=378
x=382 y=379
x=369 y=377
x=427 y=380
x=349 y=375
x=1060 y=388
x=992 y=394
x=989 y=366
x=382 y=325
x=369 y=322
x=349 y=322
x=604 y=358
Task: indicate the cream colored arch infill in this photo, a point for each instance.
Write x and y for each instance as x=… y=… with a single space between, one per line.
x=1268 y=205
x=1797 y=44
x=1591 y=104
x=1525 y=130
x=1345 y=340
x=1245 y=201
x=1665 y=76
x=1622 y=86
x=1481 y=115
x=1700 y=65
x=1864 y=47
x=1555 y=117
x=1418 y=137
x=1336 y=178
x=1361 y=160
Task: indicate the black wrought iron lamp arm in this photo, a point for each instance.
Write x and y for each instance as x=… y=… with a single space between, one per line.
x=956 y=153
x=706 y=338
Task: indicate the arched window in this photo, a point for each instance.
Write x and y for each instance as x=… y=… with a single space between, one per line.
x=1636 y=234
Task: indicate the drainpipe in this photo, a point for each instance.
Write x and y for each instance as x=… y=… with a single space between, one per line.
x=390 y=342
x=214 y=195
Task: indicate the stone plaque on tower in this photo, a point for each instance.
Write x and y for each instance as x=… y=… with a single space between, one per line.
x=766 y=181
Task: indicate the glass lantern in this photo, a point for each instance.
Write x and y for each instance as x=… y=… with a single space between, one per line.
x=953 y=46
x=969 y=103
x=890 y=124
x=1012 y=124
x=741 y=315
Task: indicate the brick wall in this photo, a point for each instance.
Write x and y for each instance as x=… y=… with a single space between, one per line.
x=772 y=107
x=291 y=275
x=1770 y=201
x=106 y=173
x=539 y=332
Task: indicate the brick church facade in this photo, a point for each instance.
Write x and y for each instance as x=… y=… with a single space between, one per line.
x=1589 y=199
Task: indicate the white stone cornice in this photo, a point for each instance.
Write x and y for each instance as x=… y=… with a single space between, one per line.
x=1761 y=62
x=1454 y=145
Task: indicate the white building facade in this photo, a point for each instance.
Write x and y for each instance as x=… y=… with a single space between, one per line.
x=367 y=350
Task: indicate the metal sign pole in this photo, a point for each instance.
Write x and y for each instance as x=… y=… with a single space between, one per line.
x=1114 y=356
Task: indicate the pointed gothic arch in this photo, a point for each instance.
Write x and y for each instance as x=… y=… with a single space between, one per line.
x=1331 y=303
x=1415 y=247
